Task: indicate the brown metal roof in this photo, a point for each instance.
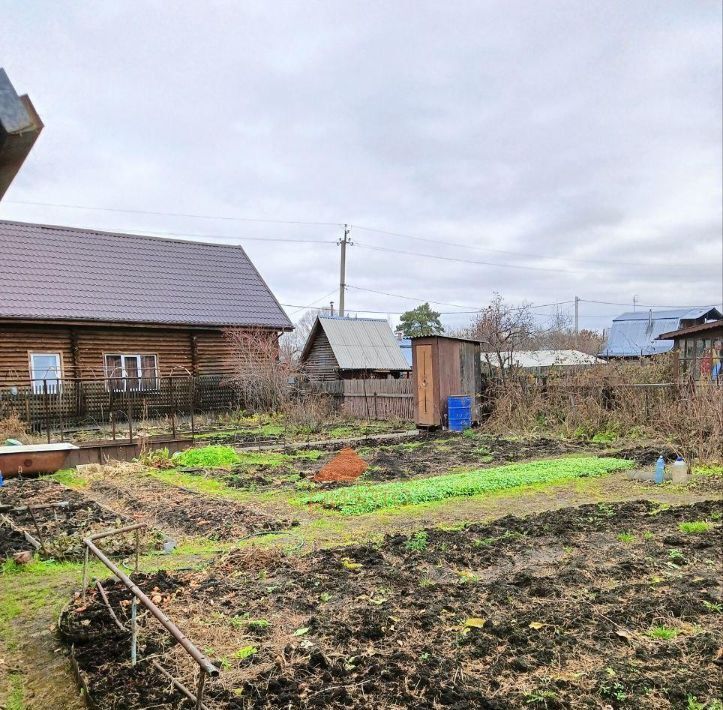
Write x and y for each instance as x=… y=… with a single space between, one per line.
x=65 y=273
x=691 y=330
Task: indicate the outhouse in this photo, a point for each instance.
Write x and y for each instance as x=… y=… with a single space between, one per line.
x=444 y=367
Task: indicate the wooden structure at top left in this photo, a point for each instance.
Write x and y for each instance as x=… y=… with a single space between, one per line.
x=20 y=127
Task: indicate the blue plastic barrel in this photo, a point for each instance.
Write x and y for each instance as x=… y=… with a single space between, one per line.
x=459 y=413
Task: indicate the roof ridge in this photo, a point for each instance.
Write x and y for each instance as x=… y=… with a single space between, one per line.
x=125 y=235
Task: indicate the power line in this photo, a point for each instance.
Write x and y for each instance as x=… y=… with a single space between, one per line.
x=497 y=251
x=467 y=261
x=644 y=305
x=455 y=305
x=156 y=233
x=408 y=298
x=173 y=214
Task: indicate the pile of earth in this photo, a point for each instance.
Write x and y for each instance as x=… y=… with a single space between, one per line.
x=609 y=605
x=345 y=467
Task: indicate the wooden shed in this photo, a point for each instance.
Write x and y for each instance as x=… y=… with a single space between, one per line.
x=444 y=367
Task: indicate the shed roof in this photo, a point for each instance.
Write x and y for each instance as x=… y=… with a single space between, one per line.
x=701 y=328
x=635 y=334
x=359 y=343
x=65 y=273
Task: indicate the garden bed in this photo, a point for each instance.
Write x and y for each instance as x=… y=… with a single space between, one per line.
x=60 y=528
x=609 y=605
x=183 y=512
x=355 y=500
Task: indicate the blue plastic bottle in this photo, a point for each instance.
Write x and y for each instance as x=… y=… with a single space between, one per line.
x=660 y=470
x=2 y=480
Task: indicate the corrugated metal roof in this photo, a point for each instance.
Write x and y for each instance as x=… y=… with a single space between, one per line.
x=363 y=343
x=547 y=358
x=635 y=334
x=679 y=313
x=406 y=345
x=66 y=273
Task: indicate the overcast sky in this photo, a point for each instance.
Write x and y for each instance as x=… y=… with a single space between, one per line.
x=575 y=146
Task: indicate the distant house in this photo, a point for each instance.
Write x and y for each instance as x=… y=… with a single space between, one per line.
x=636 y=334
x=352 y=348
x=122 y=308
x=541 y=361
x=700 y=350
x=406 y=346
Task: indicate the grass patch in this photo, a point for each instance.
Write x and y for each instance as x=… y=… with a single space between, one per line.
x=208 y=457
x=199 y=484
x=359 y=499
x=662 y=633
x=70 y=477
x=695 y=527
x=626 y=537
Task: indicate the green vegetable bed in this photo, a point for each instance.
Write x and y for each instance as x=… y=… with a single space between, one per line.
x=359 y=499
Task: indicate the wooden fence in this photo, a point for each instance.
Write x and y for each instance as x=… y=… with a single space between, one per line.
x=372 y=399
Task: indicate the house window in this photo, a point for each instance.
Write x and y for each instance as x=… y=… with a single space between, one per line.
x=132 y=373
x=45 y=368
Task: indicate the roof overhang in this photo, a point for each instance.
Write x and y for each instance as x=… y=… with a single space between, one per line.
x=20 y=127
x=137 y=324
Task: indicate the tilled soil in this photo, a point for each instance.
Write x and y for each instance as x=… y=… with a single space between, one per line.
x=61 y=529
x=599 y=606
x=11 y=542
x=180 y=510
x=440 y=453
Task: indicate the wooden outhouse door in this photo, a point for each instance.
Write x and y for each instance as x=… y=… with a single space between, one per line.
x=425 y=394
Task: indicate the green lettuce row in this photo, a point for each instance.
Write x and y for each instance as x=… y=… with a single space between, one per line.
x=359 y=499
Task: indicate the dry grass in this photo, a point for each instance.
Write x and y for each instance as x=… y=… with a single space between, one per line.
x=618 y=399
x=12 y=427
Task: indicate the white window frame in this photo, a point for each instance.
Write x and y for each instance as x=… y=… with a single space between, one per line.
x=37 y=382
x=122 y=385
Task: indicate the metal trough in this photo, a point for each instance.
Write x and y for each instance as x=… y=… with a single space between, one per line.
x=33 y=458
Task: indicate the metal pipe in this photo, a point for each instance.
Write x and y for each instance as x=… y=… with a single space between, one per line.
x=104 y=596
x=199 y=690
x=134 y=631
x=138 y=545
x=117 y=531
x=172 y=629
x=176 y=683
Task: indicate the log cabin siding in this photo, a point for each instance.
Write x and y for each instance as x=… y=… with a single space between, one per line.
x=320 y=364
x=82 y=348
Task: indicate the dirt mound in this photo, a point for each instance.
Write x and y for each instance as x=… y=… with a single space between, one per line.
x=345 y=467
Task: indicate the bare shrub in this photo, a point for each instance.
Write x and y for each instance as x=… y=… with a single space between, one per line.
x=262 y=378
x=616 y=399
x=309 y=413
x=12 y=427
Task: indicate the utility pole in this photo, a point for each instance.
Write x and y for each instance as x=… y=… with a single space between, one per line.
x=342 y=268
x=577 y=305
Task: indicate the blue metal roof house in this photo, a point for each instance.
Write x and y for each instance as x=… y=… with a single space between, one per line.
x=635 y=334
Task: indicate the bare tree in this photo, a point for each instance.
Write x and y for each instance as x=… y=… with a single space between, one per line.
x=261 y=376
x=292 y=344
x=502 y=329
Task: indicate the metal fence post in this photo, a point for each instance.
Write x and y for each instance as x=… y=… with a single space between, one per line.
x=46 y=406
x=199 y=690
x=134 y=631
x=85 y=573
x=130 y=415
